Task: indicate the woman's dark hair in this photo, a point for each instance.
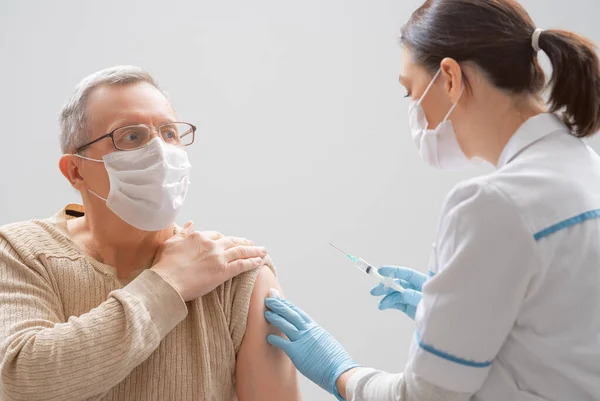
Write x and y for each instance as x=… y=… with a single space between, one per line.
x=496 y=35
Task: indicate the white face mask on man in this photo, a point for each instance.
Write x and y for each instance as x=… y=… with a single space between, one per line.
x=147 y=185
x=438 y=147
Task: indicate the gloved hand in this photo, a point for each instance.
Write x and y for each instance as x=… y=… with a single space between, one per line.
x=406 y=301
x=314 y=352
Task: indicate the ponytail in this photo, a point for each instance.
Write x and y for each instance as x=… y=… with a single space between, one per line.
x=498 y=39
x=575 y=82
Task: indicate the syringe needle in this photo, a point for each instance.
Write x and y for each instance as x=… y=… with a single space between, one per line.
x=338 y=249
x=370 y=270
x=352 y=258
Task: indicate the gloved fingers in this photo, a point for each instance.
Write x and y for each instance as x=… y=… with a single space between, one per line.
x=398 y=300
x=411 y=311
x=405 y=284
x=279 y=342
x=412 y=297
x=392 y=301
x=303 y=315
x=381 y=289
x=417 y=279
x=282 y=309
x=283 y=325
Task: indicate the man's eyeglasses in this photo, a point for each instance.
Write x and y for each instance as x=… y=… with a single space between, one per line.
x=134 y=137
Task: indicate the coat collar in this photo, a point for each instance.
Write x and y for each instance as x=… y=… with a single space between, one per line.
x=530 y=132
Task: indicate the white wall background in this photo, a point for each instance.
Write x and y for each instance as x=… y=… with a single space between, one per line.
x=303 y=132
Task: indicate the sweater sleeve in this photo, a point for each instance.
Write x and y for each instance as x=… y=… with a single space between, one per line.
x=43 y=356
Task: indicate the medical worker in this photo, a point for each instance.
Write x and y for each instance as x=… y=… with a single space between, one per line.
x=511 y=307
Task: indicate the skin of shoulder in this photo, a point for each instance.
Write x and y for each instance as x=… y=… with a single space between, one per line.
x=264 y=372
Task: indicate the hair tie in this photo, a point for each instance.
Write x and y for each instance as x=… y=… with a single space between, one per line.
x=535 y=39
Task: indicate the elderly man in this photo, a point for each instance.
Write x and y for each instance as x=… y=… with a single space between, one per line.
x=110 y=300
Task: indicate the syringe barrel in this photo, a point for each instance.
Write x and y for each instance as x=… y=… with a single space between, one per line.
x=364 y=266
x=373 y=271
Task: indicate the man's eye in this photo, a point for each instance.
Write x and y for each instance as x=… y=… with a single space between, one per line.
x=170 y=135
x=131 y=137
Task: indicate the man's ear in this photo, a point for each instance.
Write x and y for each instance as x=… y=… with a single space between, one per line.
x=69 y=167
x=452 y=74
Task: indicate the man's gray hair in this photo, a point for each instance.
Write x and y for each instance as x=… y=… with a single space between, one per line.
x=74 y=123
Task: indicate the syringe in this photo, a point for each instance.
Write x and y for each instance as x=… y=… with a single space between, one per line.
x=372 y=271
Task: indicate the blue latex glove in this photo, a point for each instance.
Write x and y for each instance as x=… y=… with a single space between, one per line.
x=406 y=301
x=314 y=352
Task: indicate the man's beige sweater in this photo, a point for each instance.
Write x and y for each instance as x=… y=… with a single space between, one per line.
x=69 y=330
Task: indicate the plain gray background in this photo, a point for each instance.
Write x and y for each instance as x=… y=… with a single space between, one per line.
x=303 y=132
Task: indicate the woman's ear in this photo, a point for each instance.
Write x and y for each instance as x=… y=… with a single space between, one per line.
x=452 y=76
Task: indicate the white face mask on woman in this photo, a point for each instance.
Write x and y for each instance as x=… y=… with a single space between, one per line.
x=438 y=147
x=147 y=185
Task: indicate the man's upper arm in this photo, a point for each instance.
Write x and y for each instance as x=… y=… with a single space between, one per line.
x=45 y=356
x=263 y=372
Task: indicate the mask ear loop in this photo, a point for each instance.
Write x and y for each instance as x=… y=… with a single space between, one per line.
x=87 y=158
x=96 y=195
x=97 y=161
x=429 y=86
x=455 y=104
